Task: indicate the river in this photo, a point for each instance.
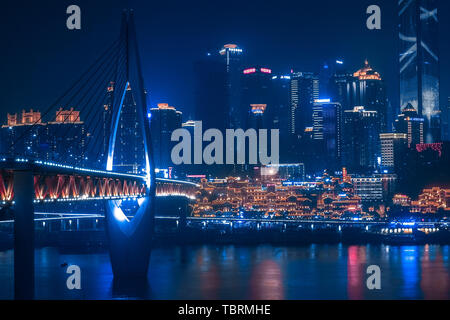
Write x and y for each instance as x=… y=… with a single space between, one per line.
x=247 y=272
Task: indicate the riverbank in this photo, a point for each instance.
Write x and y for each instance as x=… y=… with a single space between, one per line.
x=91 y=239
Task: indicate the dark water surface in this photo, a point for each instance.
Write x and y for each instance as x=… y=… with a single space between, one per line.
x=248 y=272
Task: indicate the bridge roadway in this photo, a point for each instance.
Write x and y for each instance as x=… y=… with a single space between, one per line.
x=219 y=220
x=59 y=182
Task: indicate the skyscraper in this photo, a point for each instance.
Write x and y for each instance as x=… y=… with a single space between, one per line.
x=370 y=92
x=280 y=111
x=129 y=148
x=163 y=121
x=304 y=90
x=409 y=123
x=419 y=62
x=256 y=92
x=211 y=99
x=327 y=130
x=232 y=56
x=360 y=147
x=217 y=87
x=393 y=147
x=446 y=122
x=342 y=88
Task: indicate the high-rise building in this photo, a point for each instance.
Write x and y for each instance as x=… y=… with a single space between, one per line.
x=129 y=148
x=419 y=62
x=393 y=147
x=67 y=137
x=163 y=121
x=210 y=89
x=218 y=88
x=280 y=105
x=328 y=70
x=411 y=124
x=327 y=130
x=371 y=93
x=446 y=122
x=255 y=98
x=342 y=88
x=304 y=90
x=232 y=55
x=360 y=142
x=20 y=137
x=61 y=140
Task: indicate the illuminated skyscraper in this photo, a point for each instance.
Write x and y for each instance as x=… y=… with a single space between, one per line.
x=232 y=55
x=361 y=139
x=393 y=147
x=129 y=150
x=255 y=98
x=280 y=111
x=446 y=122
x=211 y=99
x=304 y=90
x=163 y=121
x=409 y=123
x=419 y=62
x=327 y=130
x=369 y=91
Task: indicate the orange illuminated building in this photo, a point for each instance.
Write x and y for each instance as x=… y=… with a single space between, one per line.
x=367 y=73
x=28 y=118
x=67 y=116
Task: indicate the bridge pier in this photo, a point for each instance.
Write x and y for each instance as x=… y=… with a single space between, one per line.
x=23 y=235
x=129 y=241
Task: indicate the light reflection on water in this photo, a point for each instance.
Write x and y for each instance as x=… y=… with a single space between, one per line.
x=248 y=272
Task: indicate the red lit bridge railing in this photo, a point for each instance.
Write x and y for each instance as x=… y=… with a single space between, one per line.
x=57 y=182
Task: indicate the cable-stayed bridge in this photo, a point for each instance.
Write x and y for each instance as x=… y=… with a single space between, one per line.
x=92 y=144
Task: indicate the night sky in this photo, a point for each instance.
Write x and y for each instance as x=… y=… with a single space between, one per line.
x=40 y=57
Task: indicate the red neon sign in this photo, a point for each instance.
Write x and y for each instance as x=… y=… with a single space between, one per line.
x=250 y=70
x=265 y=70
x=437 y=147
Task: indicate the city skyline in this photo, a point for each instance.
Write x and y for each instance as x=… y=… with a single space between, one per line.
x=294 y=49
x=135 y=164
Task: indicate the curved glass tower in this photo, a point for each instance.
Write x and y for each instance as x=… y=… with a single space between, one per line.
x=419 y=62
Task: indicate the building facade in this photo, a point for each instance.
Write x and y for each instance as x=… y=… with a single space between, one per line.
x=163 y=121
x=419 y=62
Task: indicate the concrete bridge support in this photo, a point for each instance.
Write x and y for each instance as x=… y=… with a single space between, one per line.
x=23 y=235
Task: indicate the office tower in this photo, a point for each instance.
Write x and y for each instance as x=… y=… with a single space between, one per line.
x=360 y=142
x=67 y=137
x=304 y=90
x=327 y=71
x=255 y=97
x=342 y=88
x=393 y=148
x=18 y=137
x=446 y=122
x=211 y=97
x=218 y=89
x=419 y=62
x=371 y=93
x=411 y=124
x=327 y=130
x=163 y=121
x=232 y=56
x=280 y=102
x=129 y=148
